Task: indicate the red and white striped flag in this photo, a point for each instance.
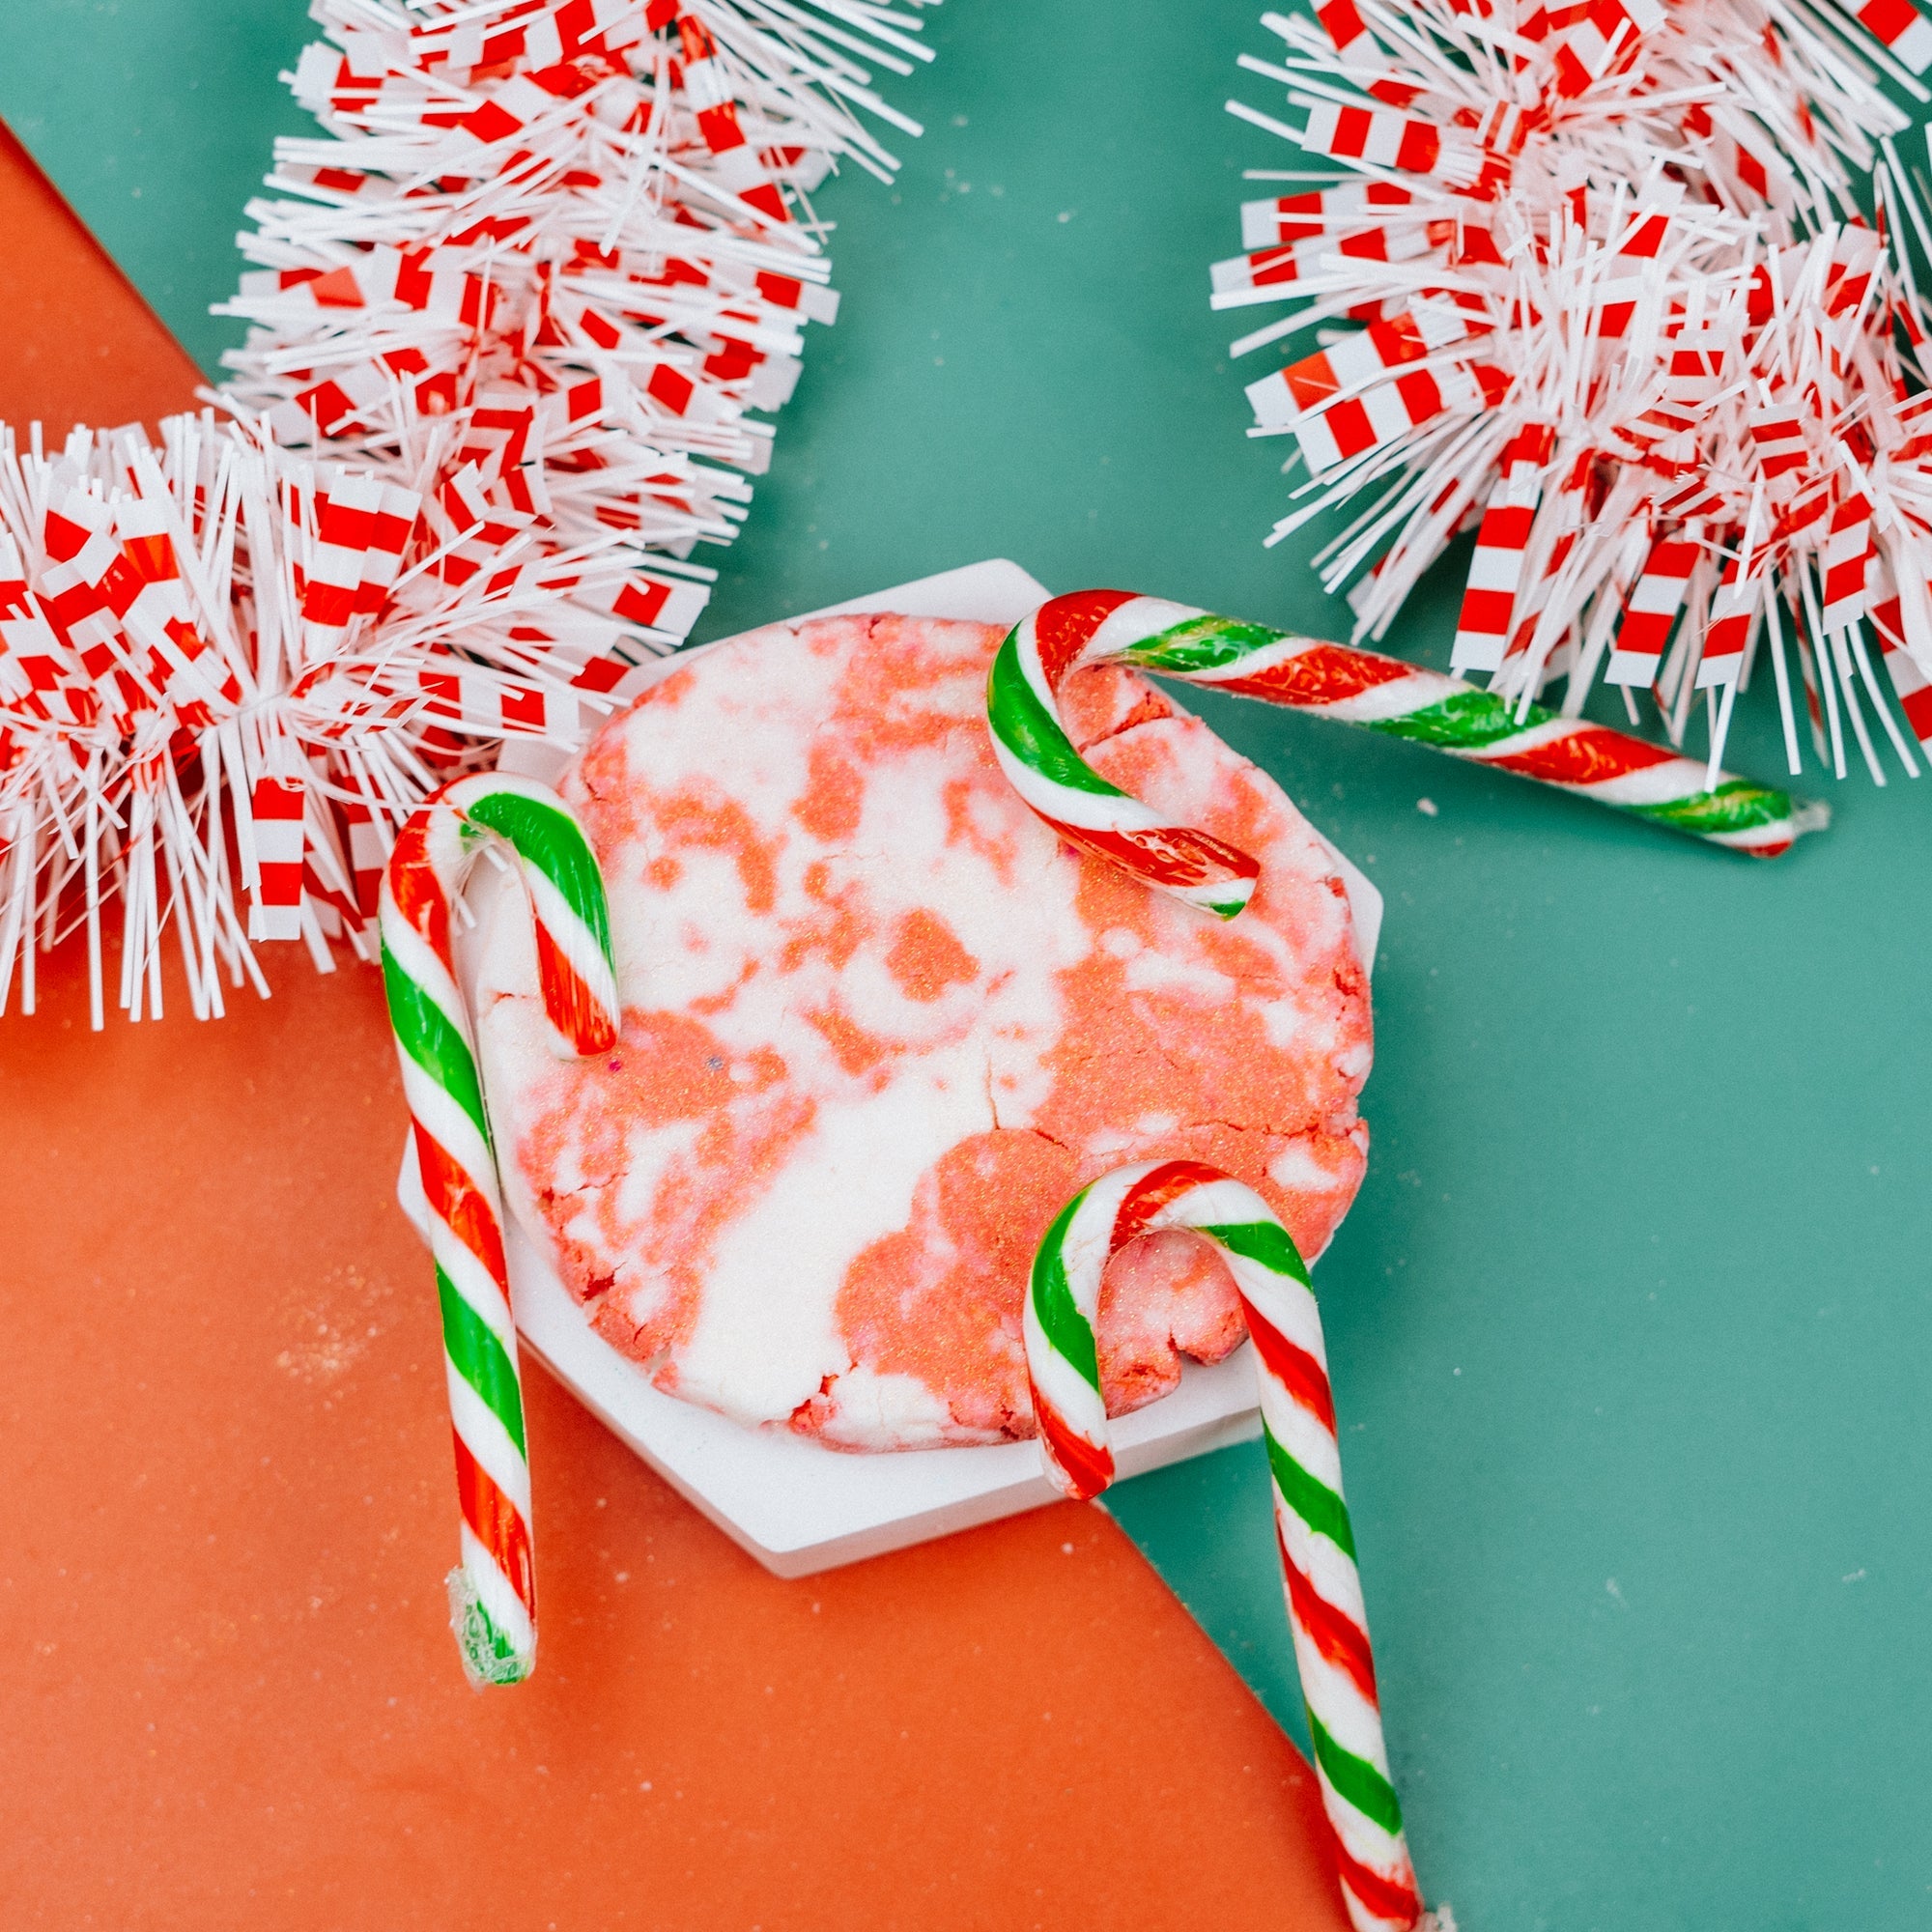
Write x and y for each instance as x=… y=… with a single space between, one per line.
x=1777 y=435
x=1848 y=552
x=1349 y=36
x=1392 y=408
x=1288 y=396
x=1899 y=26
x=1652 y=612
x=1387 y=139
x=1913 y=689
x=1727 y=634
x=1495 y=569
x=1298 y=217
x=275 y=838
x=1606 y=34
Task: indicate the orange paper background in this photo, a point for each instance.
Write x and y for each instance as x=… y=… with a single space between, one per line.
x=232 y=1698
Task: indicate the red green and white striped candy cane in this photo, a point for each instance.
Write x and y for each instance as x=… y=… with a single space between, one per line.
x=493 y=1591
x=1381 y=694
x=1041 y=764
x=1313 y=1533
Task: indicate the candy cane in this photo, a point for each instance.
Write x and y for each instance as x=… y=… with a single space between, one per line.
x=1364 y=687
x=1312 y=1534
x=493 y=1591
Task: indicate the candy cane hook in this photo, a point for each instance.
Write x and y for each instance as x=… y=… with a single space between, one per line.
x=493 y=1591
x=1383 y=694
x=1312 y=1529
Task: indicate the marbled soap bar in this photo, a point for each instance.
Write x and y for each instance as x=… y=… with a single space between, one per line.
x=879 y=1025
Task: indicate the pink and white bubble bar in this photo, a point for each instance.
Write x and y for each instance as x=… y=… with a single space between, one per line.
x=879 y=1021
x=873 y=1016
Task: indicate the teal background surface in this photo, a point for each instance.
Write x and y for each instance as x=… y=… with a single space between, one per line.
x=1629 y=1326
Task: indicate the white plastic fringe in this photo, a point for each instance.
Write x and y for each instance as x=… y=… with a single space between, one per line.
x=228 y=671
x=518 y=316
x=598 y=208
x=1623 y=316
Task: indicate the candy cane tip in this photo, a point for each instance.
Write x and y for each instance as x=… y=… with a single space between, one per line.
x=1055 y=780
x=1078 y=1488
x=489 y=1656
x=1225 y=897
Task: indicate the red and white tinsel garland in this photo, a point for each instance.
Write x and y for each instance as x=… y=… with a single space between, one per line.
x=228 y=671
x=518 y=317
x=596 y=207
x=1622 y=311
